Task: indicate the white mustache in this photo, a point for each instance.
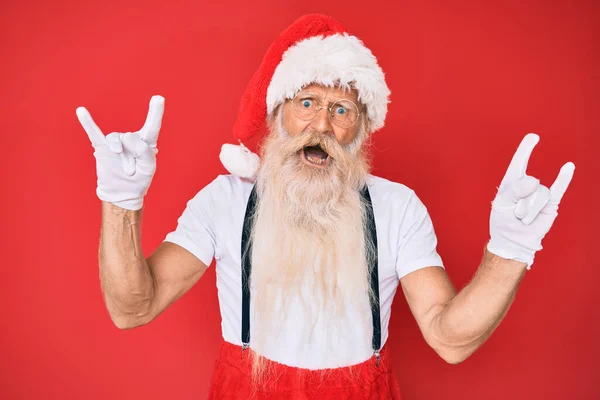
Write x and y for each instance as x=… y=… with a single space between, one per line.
x=327 y=142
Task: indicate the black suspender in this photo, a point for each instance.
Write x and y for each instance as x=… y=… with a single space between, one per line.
x=373 y=267
x=247 y=267
x=371 y=232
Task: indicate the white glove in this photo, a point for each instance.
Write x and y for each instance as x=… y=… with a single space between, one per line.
x=523 y=210
x=125 y=162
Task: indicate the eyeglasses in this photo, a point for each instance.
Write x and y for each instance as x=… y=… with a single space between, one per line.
x=343 y=113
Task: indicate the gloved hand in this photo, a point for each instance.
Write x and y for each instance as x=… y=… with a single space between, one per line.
x=125 y=162
x=524 y=210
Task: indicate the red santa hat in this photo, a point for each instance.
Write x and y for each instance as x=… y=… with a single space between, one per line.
x=314 y=49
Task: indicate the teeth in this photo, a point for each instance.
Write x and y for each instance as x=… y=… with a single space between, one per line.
x=315 y=160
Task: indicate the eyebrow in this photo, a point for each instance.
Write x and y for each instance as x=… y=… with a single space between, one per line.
x=302 y=94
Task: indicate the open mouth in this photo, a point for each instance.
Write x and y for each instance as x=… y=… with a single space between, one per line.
x=315 y=155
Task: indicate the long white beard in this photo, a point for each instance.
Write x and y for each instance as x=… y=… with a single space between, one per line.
x=308 y=237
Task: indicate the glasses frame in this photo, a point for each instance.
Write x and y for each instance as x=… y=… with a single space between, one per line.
x=319 y=108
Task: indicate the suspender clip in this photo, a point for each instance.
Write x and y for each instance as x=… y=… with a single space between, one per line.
x=244 y=347
x=378 y=357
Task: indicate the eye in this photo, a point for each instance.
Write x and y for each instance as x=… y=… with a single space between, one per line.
x=306 y=103
x=340 y=110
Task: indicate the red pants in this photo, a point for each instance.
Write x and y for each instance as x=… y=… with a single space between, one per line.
x=365 y=381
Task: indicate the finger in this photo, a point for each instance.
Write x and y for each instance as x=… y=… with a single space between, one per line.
x=518 y=165
x=143 y=153
x=560 y=185
x=530 y=187
x=151 y=128
x=128 y=162
x=522 y=205
x=127 y=159
x=114 y=142
x=94 y=133
x=535 y=203
x=134 y=144
x=522 y=189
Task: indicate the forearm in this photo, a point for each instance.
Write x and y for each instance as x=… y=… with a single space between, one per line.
x=468 y=319
x=126 y=280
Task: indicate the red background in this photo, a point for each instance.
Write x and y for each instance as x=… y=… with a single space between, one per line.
x=468 y=81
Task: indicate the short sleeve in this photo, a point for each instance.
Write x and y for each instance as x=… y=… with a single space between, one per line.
x=195 y=229
x=417 y=247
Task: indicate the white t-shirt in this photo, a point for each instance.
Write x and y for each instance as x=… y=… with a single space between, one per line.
x=211 y=227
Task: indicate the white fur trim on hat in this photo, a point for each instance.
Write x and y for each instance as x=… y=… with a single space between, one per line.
x=238 y=160
x=336 y=59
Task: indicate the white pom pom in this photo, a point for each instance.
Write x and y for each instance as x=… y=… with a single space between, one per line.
x=239 y=161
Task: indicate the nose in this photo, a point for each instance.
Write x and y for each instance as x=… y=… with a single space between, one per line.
x=321 y=122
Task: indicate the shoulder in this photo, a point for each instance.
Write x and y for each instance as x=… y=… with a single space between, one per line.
x=385 y=191
x=395 y=200
x=224 y=190
x=228 y=185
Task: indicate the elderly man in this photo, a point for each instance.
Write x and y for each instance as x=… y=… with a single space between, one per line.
x=309 y=246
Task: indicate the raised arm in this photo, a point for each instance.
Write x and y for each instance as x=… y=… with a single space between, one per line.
x=137 y=290
x=456 y=325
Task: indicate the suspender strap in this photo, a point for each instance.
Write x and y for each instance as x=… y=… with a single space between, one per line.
x=370 y=232
x=247 y=267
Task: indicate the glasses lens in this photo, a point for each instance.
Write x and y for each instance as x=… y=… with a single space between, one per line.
x=305 y=106
x=344 y=113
